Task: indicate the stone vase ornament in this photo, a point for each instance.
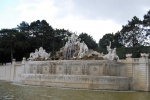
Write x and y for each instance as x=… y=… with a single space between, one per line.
x=128 y=55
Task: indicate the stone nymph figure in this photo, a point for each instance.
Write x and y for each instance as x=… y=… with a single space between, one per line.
x=39 y=54
x=111 y=53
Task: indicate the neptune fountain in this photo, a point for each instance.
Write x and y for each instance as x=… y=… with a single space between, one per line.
x=75 y=50
x=77 y=66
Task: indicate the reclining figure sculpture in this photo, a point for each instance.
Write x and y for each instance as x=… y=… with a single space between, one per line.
x=39 y=54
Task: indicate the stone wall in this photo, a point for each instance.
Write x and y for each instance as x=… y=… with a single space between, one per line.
x=11 y=72
x=89 y=74
x=77 y=67
x=141 y=74
x=131 y=73
x=128 y=74
x=5 y=71
x=77 y=81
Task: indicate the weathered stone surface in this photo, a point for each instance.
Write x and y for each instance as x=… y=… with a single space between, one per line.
x=90 y=74
x=78 y=81
x=80 y=67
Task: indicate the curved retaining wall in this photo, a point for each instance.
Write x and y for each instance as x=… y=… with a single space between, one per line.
x=77 y=81
x=89 y=74
x=76 y=67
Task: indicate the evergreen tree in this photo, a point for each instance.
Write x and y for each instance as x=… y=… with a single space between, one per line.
x=146 y=24
x=132 y=33
x=88 y=40
x=106 y=39
x=12 y=39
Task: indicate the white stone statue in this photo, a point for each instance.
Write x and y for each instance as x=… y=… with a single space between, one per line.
x=83 y=50
x=144 y=55
x=128 y=55
x=73 y=37
x=73 y=48
x=34 y=55
x=111 y=53
x=108 y=56
x=41 y=54
x=114 y=55
x=67 y=50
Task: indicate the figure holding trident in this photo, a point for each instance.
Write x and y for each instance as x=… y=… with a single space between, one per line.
x=109 y=51
x=108 y=56
x=108 y=47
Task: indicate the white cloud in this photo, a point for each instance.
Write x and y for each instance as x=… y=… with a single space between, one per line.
x=95 y=28
x=94 y=18
x=41 y=9
x=46 y=9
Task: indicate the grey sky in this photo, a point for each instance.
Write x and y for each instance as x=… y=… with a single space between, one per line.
x=95 y=17
x=118 y=10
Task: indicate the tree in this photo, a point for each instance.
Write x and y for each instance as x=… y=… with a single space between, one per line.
x=60 y=38
x=132 y=33
x=40 y=33
x=106 y=39
x=23 y=27
x=146 y=20
x=146 y=24
x=118 y=43
x=89 y=41
x=12 y=39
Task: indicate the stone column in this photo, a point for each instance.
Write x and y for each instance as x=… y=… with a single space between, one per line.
x=144 y=73
x=23 y=65
x=129 y=67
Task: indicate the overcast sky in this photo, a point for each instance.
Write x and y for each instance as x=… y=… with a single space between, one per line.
x=95 y=17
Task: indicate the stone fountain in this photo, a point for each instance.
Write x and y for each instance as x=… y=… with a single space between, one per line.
x=76 y=67
x=79 y=67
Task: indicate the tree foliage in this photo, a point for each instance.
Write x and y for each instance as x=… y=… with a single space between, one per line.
x=146 y=24
x=89 y=41
x=135 y=33
x=20 y=41
x=106 y=39
x=146 y=20
x=115 y=40
x=12 y=39
x=132 y=33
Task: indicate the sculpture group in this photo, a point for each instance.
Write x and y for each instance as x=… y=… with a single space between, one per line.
x=75 y=49
x=39 y=54
x=111 y=53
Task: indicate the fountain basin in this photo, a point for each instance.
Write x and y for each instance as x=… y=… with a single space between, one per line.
x=78 y=81
x=88 y=74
